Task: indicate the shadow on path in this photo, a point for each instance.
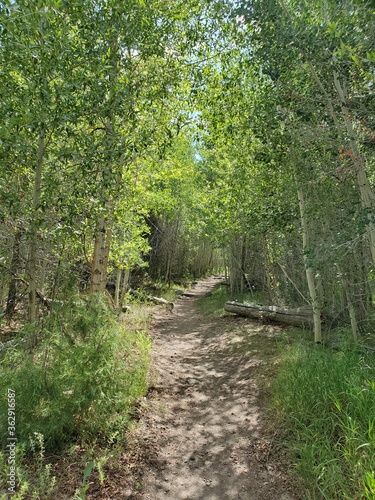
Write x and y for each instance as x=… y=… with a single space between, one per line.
x=206 y=420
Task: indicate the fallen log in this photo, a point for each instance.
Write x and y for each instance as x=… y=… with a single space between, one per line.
x=160 y=300
x=156 y=300
x=302 y=316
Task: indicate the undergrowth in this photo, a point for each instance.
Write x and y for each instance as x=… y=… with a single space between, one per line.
x=79 y=385
x=325 y=402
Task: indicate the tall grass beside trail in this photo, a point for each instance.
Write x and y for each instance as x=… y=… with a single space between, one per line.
x=325 y=402
x=80 y=384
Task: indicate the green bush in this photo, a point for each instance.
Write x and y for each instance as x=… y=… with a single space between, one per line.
x=82 y=380
x=326 y=402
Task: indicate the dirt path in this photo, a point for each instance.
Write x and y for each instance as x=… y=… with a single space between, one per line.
x=204 y=426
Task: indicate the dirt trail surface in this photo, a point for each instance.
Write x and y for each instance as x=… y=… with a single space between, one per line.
x=204 y=425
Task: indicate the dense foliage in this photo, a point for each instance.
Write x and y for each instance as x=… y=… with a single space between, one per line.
x=287 y=118
x=254 y=142
x=159 y=141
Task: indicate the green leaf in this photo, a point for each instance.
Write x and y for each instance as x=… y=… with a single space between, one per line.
x=370 y=56
x=355 y=59
x=87 y=471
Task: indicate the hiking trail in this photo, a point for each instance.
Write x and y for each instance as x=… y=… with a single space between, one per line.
x=205 y=422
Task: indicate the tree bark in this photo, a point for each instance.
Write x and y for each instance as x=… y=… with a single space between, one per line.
x=34 y=227
x=236 y=273
x=302 y=317
x=103 y=234
x=125 y=286
x=102 y=244
x=271 y=281
x=117 y=289
x=309 y=270
x=352 y=315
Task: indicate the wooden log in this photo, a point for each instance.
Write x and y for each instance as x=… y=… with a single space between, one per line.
x=156 y=300
x=160 y=300
x=301 y=316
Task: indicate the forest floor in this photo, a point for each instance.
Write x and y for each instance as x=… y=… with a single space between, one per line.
x=204 y=431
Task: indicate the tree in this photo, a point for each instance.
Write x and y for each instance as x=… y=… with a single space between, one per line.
x=267 y=110
x=36 y=45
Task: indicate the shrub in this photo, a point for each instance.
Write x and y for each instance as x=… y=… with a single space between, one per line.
x=81 y=381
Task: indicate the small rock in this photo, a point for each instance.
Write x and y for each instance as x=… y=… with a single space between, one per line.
x=192 y=381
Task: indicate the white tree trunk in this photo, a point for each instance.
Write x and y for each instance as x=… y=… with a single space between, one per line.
x=102 y=245
x=317 y=313
x=117 y=290
x=125 y=286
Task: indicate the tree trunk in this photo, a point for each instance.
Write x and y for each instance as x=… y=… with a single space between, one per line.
x=102 y=244
x=242 y=263
x=168 y=270
x=236 y=273
x=352 y=315
x=309 y=270
x=125 y=286
x=42 y=275
x=34 y=227
x=224 y=257
x=12 y=292
x=103 y=234
x=117 y=289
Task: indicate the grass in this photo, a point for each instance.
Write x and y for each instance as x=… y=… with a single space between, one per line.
x=214 y=303
x=165 y=290
x=324 y=401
